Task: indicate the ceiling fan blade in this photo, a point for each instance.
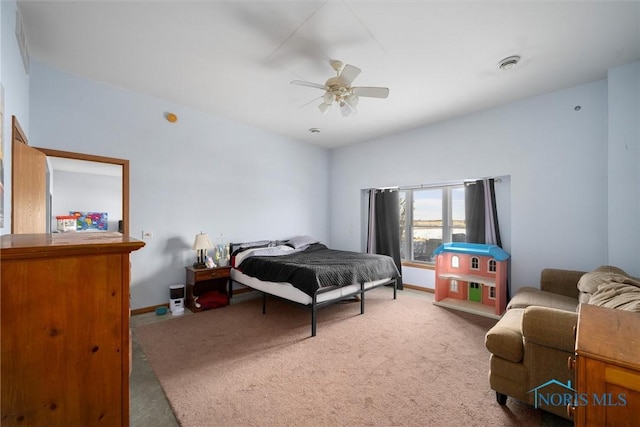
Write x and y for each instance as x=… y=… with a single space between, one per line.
x=348 y=74
x=371 y=92
x=303 y=83
x=311 y=102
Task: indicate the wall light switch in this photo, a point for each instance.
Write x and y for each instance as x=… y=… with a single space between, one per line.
x=147 y=234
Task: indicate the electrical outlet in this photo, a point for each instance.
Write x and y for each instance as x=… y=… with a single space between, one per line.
x=147 y=234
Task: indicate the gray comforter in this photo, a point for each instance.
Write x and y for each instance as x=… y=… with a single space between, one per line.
x=318 y=266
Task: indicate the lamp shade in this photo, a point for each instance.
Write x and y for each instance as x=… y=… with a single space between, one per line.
x=201 y=242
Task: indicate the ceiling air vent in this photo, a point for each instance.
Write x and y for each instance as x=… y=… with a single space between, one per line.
x=509 y=62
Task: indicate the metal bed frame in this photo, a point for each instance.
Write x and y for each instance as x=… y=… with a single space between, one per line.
x=315 y=304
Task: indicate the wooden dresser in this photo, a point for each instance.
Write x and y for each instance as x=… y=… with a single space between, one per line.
x=607 y=367
x=65 y=329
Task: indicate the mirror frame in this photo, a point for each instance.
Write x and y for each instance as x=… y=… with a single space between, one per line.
x=101 y=159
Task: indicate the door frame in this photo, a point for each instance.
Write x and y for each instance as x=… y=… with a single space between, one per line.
x=101 y=159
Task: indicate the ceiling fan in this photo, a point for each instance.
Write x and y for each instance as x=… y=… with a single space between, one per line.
x=339 y=89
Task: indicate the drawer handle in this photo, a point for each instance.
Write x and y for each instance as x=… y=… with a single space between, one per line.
x=571 y=363
x=570 y=410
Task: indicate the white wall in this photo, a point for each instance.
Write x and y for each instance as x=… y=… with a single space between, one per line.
x=16 y=96
x=556 y=158
x=202 y=173
x=624 y=167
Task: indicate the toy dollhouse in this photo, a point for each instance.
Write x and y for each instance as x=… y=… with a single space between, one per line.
x=472 y=277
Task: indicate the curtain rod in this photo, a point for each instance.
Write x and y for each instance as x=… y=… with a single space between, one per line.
x=437 y=184
x=473 y=182
x=446 y=184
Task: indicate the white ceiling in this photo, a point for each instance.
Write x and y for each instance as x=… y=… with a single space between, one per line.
x=236 y=59
x=62 y=164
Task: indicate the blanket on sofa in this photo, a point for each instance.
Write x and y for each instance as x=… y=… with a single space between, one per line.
x=617 y=291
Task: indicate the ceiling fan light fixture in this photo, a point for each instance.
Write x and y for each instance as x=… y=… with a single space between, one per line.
x=328 y=97
x=324 y=107
x=352 y=100
x=345 y=108
x=339 y=90
x=509 y=62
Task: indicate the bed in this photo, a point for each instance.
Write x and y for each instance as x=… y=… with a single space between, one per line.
x=304 y=271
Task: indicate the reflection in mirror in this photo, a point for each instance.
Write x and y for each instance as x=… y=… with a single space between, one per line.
x=88 y=189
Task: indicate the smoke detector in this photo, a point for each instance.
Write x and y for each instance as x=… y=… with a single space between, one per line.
x=509 y=62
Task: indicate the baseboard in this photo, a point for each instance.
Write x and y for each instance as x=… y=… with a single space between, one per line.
x=242 y=290
x=419 y=288
x=148 y=309
x=152 y=309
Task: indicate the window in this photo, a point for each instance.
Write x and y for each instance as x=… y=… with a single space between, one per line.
x=455 y=261
x=475 y=263
x=492 y=292
x=429 y=217
x=492 y=265
x=453 y=285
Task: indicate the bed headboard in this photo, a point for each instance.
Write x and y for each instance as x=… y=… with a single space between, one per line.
x=294 y=242
x=234 y=247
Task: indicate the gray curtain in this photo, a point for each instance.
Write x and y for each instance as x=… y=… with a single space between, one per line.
x=384 y=226
x=481 y=215
x=491 y=229
x=474 y=211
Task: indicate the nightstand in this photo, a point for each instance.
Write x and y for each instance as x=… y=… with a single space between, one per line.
x=202 y=280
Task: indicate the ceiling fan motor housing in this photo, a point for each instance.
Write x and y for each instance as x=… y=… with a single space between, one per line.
x=334 y=87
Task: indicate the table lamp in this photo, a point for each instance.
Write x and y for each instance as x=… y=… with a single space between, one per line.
x=200 y=245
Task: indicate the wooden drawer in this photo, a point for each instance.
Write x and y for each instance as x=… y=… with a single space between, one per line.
x=216 y=273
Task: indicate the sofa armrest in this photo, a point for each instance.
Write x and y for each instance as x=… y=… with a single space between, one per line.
x=549 y=327
x=563 y=282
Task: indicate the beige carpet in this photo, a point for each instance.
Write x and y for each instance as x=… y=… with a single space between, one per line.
x=403 y=363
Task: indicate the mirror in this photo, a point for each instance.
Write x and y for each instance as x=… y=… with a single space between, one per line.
x=104 y=169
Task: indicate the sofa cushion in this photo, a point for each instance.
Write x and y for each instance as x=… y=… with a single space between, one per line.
x=505 y=338
x=561 y=282
x=529 y=296
x=549 y=327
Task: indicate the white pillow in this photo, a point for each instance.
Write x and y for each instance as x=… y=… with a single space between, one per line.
x=261 y=251
x=300 y=241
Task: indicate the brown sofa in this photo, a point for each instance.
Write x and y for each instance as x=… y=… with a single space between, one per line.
x=531 y=343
